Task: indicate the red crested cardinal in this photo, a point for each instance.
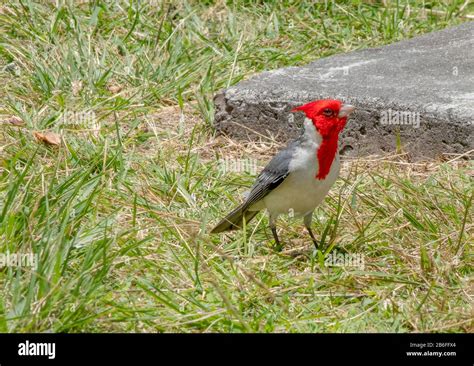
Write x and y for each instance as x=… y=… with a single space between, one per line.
x=299 y=177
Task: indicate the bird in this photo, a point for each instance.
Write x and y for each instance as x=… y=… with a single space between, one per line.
x=298 y=177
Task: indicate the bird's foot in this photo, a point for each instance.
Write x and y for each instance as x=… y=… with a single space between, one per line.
x=278 y=246
x=315 y=242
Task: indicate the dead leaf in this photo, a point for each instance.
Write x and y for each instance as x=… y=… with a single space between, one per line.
x=12 y=68
x=76 y=86
x=114 y=88
x=49 y=138
x=15 y=121
x=5 y=10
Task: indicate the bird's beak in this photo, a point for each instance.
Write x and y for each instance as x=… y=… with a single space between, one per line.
x=346 y=110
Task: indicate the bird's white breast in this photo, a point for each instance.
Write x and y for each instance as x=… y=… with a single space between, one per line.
x=301 y=192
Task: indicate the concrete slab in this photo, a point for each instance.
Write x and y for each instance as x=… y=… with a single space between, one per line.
x=421 y=90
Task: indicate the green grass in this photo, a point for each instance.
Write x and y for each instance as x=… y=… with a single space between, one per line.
x=118 y=216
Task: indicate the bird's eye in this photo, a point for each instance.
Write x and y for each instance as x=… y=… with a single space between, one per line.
x=328 y=112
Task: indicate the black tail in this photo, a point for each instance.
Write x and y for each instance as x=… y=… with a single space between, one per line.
x=234 y=220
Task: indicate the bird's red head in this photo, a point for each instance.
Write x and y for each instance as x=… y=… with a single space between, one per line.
x=329 y=116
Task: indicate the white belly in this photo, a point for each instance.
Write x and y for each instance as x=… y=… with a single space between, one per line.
x=301 y=192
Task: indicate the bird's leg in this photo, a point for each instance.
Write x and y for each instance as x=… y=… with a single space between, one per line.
x=307 y=223
x=274 y=232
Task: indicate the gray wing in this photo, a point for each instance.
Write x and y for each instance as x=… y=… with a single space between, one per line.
x=272 y=175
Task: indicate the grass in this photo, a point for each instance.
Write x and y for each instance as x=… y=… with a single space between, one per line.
x=118 y=214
